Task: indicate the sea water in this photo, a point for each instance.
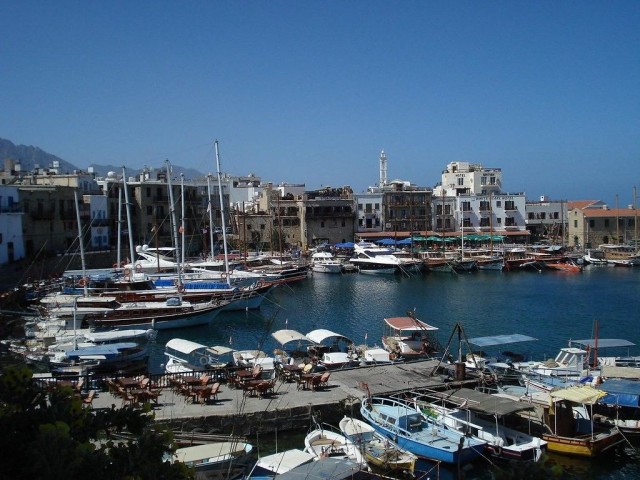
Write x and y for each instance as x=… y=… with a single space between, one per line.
x=553 y=307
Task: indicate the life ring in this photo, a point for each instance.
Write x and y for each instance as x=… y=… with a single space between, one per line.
x=138 y=268
x=82 y=282
x=204 y=361
x=223 y=275
x=259 y=284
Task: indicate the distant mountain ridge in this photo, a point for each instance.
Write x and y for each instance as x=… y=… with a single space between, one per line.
x=29 y=157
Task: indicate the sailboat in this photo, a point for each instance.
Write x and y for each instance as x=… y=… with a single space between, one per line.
x=493 y=261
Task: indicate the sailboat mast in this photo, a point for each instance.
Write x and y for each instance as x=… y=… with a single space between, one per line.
x=210 y=209
x=224 y=227
x=182 y=229
x=84 y=266
x=119 y=240
x=132 y=251
x=174 y=223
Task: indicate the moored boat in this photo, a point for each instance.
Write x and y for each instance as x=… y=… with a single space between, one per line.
x=379 y=451
x=407 y=427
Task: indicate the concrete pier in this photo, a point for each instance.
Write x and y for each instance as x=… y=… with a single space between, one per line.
x=290 y=407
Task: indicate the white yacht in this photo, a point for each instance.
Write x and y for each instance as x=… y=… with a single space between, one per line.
x=369 y=258
x=325 y=262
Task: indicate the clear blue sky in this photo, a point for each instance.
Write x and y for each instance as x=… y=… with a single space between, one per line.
x=310 y=92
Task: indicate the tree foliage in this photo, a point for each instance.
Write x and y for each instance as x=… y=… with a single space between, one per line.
x=46 y=433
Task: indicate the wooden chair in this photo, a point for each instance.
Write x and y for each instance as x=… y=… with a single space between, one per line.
x=315 y=382
x=78 y=386
x=113 y=388
x=256 y=372
x=87 y=400
x=127 y=398
x=204 y=379
x=265 y=387
x=215 y=389
x=324 y=379
x=144 y=383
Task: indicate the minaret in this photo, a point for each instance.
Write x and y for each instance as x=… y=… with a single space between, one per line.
x=383 y=169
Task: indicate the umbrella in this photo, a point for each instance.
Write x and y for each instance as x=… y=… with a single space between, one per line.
x=386 y=241
x=406 y=241
x=345 y=245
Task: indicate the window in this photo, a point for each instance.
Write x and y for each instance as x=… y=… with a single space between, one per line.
x=606 y=223
x=592 y=223
x=492 y=180
x=377 y=206
x=466 y=206
x=149 y=210
x=499 y=220
x=360 y=206
x=575 y=223
x=249 y=227
x=460 y=181
x=321 y=224
x=483 y=180
x=484 y=222
x=484 y=206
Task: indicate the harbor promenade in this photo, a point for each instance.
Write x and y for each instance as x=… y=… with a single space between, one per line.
x=290 y=405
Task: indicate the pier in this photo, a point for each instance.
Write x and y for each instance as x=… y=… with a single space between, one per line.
x=290 y=406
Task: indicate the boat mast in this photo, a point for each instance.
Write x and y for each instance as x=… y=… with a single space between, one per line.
x=182 y=229
x=635 y=220
x=210 y=209
x=491 y=223
x=132 y=251
x=224 y=228
x=174 y=223
x=119 y=241
x=85 y=287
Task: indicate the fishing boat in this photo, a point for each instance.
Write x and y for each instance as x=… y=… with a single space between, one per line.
x=409 y=337
x=217 y=460
x=480 y=414
x=185 y=356
x=332 y=350
x=271 y=466
x=620 y=255
x=409 y=429
x=378 y=450
x=571 y=433
x=323 y=441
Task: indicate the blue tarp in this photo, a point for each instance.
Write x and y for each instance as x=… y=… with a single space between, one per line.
x=621 y=392
x=345 y=245
x=386 y=241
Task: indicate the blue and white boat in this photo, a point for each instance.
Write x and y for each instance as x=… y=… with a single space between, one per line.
x=405 y=425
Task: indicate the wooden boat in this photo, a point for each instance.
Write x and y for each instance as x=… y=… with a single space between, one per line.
x=570 y=433
x=409 y=429
x=470 y=416
x=324 y=442
x=564 y=266
x=378 y=450
x=217 y=460
x=409 y=337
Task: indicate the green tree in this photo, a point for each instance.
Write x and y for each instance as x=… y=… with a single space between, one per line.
x=46 y=433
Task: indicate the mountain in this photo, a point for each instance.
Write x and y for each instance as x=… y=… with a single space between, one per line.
x=29 y=157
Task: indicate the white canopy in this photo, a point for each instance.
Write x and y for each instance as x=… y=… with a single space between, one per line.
x=183 y=346
x=286 y=336
x=321 y=334
x=220 y=350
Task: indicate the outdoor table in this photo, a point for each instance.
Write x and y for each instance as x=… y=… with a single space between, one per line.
x=129 y=383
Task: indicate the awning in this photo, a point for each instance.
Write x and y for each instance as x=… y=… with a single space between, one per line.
x=482 y=402
x=183 y=346
x=578 y=394
x=604 y=342
x=220 y=350
x=321 y=334
x=408 y=324
x=621 y=392
x=286 y=336
x=500 y=340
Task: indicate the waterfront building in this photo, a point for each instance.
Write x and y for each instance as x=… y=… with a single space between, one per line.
x=11 y=236
x=369 y=211
x=547 y=220
x=464 y=178
x=592 y=223
x=328 y=216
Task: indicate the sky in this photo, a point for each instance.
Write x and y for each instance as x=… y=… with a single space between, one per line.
x=311 y=91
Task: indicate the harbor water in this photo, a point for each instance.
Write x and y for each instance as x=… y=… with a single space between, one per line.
x=553 y=307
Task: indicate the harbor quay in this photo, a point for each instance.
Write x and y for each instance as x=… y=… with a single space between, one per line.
x=290 y=405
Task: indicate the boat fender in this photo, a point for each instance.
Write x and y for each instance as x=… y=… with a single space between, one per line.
x=82 y=282
x=138 y=268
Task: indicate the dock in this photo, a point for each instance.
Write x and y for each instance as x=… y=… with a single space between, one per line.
x=290 y=407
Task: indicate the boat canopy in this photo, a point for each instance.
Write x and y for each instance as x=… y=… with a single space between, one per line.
x=408 y=324
x=604 y=342
x=286 y=336
x=113 y=335
x=500 y=340
x=578 y=394
x=106 y=350
x=625 y=393
x=210 y=452
x=220 y=350
x=483 y=402
x=321 y=334
x=184 y=346
x=336 y=468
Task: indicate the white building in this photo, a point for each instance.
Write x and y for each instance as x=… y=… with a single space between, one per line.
x=502 y=214
x=464 y=178
x=369 y=211
x=11 y=239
